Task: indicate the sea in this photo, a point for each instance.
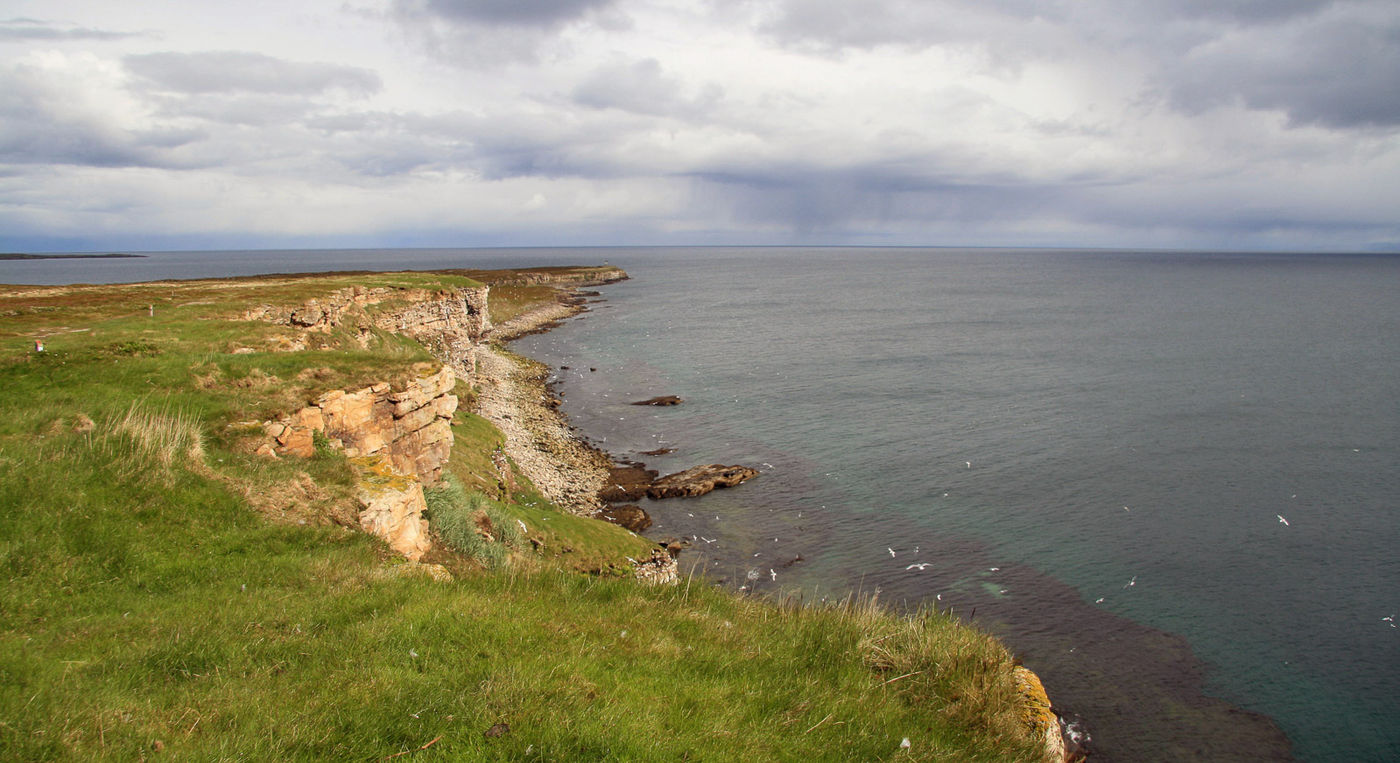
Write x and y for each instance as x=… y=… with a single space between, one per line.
x=1168 y=480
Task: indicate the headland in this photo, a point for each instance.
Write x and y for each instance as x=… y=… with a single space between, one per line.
x=333 y=505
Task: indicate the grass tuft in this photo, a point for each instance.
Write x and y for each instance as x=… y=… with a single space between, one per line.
x=165 y=435
x=464 y=521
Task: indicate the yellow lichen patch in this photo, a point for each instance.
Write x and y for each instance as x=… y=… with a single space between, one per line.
x=377 y=475
x=1036 y=712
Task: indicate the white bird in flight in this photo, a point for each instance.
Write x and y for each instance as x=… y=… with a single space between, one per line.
x=921 y=566
x=1132 y=582
x=1281 y=519
x=891 y=552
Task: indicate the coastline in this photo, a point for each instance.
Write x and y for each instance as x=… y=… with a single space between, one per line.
x=515 y=398
x=1132 y=710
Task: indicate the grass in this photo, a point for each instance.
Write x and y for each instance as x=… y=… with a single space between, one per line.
x=168 y=593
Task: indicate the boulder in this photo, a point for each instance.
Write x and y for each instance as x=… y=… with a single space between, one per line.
x=627 y=482
x=628 y=515
x=699 y=480
x=660 y=401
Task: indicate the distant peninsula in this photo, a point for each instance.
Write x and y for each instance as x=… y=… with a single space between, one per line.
x=19 y=256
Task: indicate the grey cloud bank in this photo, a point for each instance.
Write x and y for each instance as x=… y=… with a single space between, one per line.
x=476 y=122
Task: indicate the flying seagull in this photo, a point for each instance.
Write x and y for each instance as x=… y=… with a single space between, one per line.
x=891 y=552
x=1132 y=582
x=1281 y=519
x=921 y=566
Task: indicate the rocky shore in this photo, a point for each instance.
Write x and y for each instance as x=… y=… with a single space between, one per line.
x=514 y=396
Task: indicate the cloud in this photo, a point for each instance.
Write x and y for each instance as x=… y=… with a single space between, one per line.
x=1321 y=62
x=1240 y=11
x=244 y=72
x=47 y=118
x=1340 y=73
x=30 y=30
x=1156 y=122
x=548 y=14
x=488 y=33
x=1003 y=25
x=641 y=87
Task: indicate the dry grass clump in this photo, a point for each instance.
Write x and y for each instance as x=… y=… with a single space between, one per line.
x=163 y=435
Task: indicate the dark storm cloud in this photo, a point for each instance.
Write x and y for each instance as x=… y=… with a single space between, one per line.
x=528 y=13
x=235 y=71
x=25 y=30
x=1343 y=73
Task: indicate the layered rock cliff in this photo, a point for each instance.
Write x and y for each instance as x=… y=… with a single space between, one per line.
x=399 y=439
x=410 y=425
x=449 y=322
x=399 y=436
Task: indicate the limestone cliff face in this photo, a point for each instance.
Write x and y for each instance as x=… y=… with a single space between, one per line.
x=411 y=426
x=449 y=322
x=399 y=440
x=567 y=277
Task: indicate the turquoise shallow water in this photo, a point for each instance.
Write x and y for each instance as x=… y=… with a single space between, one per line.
x=990 y=414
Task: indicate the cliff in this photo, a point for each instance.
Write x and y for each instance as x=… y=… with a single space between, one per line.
x=399 y=436
x=449 y=322
x=170 y=593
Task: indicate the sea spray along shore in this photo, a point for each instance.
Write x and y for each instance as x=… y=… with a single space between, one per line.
x=186 y=472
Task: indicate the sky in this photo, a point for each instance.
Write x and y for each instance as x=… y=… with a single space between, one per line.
x=1236 y=124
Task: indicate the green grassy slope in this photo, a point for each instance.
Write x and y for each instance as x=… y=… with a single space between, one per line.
x=170 y=594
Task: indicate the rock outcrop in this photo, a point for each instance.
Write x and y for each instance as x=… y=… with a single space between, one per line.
x=391 y=506
x=627 y=481
x=660 y=569
x=1036 y=713
x=628 y=515
x=410 y=425
x=699 y=480
x=398 y=437
x=663 y=400
x=449 y=322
